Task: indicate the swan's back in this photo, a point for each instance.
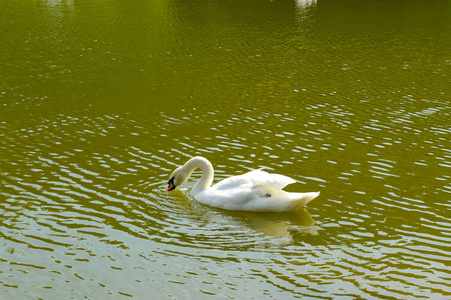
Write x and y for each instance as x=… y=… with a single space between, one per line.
x=255 y=191
x=254 y=178
x=276 y=181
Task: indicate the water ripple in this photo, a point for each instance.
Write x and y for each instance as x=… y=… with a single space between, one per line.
x=94 y=121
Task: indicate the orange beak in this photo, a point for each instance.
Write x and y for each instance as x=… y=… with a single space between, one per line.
x=171 y=185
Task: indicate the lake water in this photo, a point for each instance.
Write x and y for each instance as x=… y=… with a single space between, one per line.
x=101 y=100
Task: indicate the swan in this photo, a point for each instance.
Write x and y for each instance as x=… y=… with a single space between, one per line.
x=256 y=190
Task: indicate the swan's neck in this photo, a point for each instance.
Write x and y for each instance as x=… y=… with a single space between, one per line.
x=207 y=173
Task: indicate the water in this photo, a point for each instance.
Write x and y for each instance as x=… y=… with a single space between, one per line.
x=101 y=100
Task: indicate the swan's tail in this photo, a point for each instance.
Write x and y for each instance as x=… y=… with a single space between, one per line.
x=302 y=199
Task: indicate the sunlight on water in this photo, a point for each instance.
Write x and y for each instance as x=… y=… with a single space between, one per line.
x=100 y=101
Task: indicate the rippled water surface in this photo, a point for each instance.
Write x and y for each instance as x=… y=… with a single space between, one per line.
x=101 y=100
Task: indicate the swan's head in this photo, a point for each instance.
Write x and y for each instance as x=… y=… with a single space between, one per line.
x=177 y=178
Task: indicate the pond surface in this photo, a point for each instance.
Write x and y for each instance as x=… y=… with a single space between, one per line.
x=101 y=100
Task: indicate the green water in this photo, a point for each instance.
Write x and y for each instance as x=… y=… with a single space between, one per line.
x=101 y=100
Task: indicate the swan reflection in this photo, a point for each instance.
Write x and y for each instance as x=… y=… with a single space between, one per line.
x=278 y=225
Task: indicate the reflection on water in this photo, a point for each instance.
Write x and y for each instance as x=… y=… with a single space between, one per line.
x=99 y=102
x=284 y=226
x=302 y=4
x=277 y=225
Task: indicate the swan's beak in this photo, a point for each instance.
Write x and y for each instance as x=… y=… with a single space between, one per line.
x=171 y=185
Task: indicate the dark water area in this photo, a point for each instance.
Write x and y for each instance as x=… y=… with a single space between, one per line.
x=101 y=100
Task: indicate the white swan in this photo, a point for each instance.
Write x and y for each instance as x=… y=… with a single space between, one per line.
x=253 y=191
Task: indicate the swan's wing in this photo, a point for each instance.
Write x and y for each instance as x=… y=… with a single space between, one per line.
x=233 y=182
x=276 y=181
x=254 y=191
x=254 y=178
